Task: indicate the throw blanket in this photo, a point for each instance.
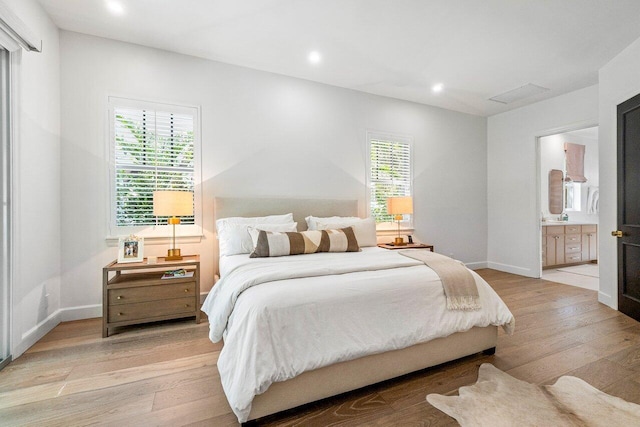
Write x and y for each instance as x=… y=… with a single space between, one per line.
x=458 y=283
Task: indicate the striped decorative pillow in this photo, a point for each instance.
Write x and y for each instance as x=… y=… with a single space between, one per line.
x=273 y=243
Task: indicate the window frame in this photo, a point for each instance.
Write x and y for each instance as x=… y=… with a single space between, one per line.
x=390 y=227
x=157 y=232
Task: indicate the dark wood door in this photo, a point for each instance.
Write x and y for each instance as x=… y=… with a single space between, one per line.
x=629 y=207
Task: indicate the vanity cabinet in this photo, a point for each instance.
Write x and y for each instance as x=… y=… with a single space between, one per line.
x=553 y=245
x=569 y=244
x=589 y=242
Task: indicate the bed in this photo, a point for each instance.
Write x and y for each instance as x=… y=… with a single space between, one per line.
x=313 y=326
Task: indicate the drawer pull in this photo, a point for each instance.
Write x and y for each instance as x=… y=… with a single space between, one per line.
x=556 y=237
x=119 y=297
x=120 y=314
x=186 y=306
x=186 y=291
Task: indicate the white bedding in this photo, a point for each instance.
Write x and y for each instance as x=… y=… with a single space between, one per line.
x=279 y=329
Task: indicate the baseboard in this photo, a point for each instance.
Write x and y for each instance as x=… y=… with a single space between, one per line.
x=80 y=312
x=477 y=265
x=34 y=334
x=512 y=269
x=606 y=299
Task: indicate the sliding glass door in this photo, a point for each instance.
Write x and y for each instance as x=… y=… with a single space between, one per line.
x=5 y=163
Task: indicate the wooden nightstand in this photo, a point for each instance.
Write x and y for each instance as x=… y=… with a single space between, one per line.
x=136 y=293
x=407 y=246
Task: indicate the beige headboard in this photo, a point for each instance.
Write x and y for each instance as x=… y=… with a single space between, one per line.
x=225 y=207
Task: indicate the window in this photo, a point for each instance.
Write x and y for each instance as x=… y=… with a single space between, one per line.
x=390 y=173
x=154 y=147
x=572 y=196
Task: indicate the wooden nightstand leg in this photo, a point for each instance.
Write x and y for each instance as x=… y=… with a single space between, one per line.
x=105 y=303
x=198 y=293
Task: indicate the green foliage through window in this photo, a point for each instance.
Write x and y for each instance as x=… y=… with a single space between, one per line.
x=390 y=175
x=154 y=150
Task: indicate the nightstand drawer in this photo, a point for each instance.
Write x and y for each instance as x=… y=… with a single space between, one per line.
x=151 y=293
x=150 y=309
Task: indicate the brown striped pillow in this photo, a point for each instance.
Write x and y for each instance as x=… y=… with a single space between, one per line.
x=274 y=243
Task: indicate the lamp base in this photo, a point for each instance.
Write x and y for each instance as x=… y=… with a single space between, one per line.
x=399 y=241
x=173 y=255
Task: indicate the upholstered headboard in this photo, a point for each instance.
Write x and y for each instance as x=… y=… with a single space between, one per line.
x=225 y=207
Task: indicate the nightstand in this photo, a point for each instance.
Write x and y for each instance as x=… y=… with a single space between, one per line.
x=407 y=246
x=136 y=292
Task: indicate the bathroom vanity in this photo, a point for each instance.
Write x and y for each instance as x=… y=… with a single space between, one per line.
x=567 y=243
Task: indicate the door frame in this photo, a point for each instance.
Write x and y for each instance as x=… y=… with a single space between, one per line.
x=6 y=191
x=538 y=135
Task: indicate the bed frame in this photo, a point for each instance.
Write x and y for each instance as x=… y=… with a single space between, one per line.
x=353 y=374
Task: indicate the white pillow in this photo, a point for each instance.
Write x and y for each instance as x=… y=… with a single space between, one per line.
x=271 y=219
x=313 y=220
x=364 y=229
x=234 y=237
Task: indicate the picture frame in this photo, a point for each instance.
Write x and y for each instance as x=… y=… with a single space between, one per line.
x=130 y=249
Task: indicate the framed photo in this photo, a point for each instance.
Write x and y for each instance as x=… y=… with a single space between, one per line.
x=130 y=249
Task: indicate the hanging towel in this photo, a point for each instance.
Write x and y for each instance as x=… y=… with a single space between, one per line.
x=574 y=156
x=593 y=199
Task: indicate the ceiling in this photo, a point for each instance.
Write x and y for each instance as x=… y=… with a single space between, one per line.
x=396 y=48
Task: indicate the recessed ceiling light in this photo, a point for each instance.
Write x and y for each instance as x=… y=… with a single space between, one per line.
x=115 y=7
x=315 y=57
x=437 y=88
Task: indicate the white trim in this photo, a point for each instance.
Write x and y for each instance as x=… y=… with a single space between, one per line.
x=520 y=271
x=13 y=27
x=477 y=265
x=6 y=222
x=157 y=231
x=14 y=273
x=160 y=240
x=608 y=299
x=36 y=333
x=81 y=312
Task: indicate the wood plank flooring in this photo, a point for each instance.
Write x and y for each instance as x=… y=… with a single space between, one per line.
x=165 y=374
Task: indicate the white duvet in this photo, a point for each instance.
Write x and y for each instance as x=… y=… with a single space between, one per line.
x=283 y=316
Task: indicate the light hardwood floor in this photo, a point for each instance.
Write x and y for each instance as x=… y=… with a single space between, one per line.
x=165 y=374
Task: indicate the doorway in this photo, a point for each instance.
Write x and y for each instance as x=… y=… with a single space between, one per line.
x=569 y=235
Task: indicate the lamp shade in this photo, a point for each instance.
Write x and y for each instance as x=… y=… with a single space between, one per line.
x=173 y=203
x=400 y=205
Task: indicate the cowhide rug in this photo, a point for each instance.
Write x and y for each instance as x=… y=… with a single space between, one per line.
x=498 y=399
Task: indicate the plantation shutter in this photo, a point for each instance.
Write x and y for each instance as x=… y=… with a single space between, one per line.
x=390 y=174
x=154 y=150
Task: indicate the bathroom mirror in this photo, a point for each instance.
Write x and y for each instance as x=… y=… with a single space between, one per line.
x=555 y=191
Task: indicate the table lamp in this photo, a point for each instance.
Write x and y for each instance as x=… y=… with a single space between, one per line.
x=173 y=204
x=399 y=206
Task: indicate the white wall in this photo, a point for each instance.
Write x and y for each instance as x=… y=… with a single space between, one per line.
x=619 y=81
x=36 y=184
x=262 y=135
x=513 y=205
x=552 y=157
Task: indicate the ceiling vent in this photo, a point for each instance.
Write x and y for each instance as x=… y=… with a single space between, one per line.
x=518 y=94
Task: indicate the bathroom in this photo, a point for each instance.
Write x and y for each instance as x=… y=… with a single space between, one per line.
x=569 y=199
